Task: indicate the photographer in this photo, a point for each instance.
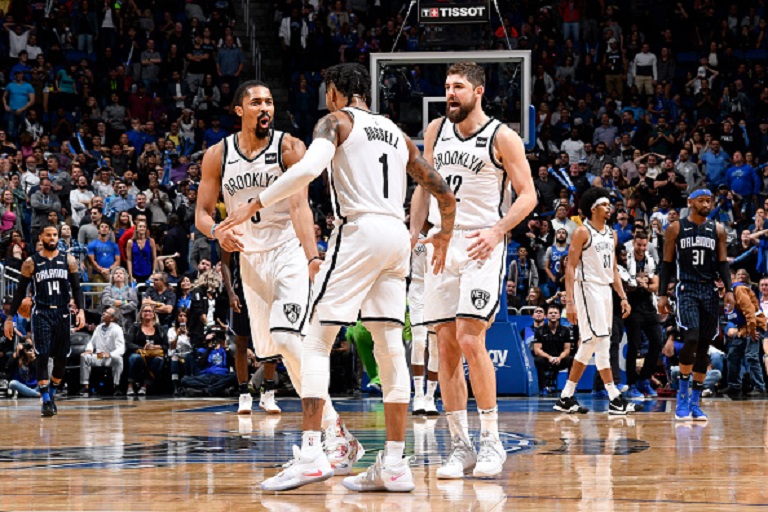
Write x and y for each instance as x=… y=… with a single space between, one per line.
x=22 y=371
x=215 y=362
x=552 y=348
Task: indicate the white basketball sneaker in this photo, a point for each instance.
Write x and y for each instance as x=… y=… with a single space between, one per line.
x=490 y=458
x=378 y=477
x=430 y=409
x=461 y=461
x=268 y=403
x=341 y=448
x=246 y=404
x=417 y=409
x=299 y=472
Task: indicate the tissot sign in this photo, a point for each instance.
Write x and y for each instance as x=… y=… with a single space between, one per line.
x=476 y=11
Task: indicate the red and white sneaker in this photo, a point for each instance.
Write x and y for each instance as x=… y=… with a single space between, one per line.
x=392 y=478
x=342 y=448
x=299 y=472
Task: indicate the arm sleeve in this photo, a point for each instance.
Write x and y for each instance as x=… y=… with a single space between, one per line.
x=18 y=295
x=725 y=275
x=665 y=275
x=77 y=295
x=316 y=159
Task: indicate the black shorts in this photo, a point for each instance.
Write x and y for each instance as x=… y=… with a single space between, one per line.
x=240 y=322
x=51 y=331
x=698 y=307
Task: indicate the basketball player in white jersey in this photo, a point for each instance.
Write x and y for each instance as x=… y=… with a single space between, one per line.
x=478 y=156
x=276 y=262
x=365 y=269
x=589 y=275
x=423 y=404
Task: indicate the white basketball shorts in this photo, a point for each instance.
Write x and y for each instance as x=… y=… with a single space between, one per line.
x=364 y=272
x=276 y=289
x=594 y=307
x=466 y=288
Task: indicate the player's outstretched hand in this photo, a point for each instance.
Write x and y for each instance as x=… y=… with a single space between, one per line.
x=485 y=242
x=663 y=305
x=440 y=242
x=570 y=313
x=242 y=213
x=230 y=238
x=80 y=319
x=8 y=328
x=729 y=301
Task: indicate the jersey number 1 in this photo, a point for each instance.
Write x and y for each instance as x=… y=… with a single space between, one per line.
x=385 y=172
x=53 y=288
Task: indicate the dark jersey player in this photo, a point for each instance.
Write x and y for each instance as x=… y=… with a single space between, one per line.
x=697 y=247
x=55 y=280
x=241 y=326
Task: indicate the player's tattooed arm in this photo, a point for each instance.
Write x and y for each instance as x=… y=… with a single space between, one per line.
x=428 y=178
x=28 y=267
x=72 y=265
x=327 y=128
x=27 y=270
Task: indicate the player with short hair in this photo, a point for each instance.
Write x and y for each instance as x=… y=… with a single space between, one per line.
x=479 y=157
x=55 y=278
x=695 y=250
x=278 y=253
x=367 y=157
x=590 y=273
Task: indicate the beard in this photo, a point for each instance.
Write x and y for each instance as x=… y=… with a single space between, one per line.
x=561 y=240
x=259 y=131
x=461 y=114
x=50 y=246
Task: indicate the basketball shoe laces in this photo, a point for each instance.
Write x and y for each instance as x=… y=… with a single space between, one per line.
x=459 y=453
x=372 y=475
x=489 y=454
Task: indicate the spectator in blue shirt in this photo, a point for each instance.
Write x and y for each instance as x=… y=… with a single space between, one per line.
x=104 y=254
x=622 y=227
x=120 y=202
x=230 y=62
x=214 y=134
x=18 y=97
x=715 y=162
x=744 y=181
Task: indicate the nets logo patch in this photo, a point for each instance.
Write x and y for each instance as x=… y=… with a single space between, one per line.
x=270 y=158
x=481 y=142
x=480 y=298
x=292 y=312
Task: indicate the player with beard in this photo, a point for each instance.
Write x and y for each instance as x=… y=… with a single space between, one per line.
x=697 y=246
x=275 y=263
x=590 y=273
x=56 y=280
x=479 y=157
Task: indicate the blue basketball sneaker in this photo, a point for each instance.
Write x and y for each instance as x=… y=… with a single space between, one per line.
x=633 y=393
x=644 y=386
x=683 y=407
x=696 y=413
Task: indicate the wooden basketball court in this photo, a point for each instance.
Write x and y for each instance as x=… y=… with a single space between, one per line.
x=137 y=454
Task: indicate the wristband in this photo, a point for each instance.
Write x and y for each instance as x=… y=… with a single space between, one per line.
x=313 y=259
x=213 y=230
x=624 y=299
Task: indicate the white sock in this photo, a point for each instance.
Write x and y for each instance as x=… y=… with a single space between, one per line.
x=489 y=422
x=431 y=387
x=458 y=424
x=393 y=452
x=569 y=389
x=311 y=444
x=612 y=390
x=418 y=386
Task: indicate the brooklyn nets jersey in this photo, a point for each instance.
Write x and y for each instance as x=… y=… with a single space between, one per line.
x=51 y=280
x=596 y=265
x=367 y=173
x=696 y=252
x=241 y=181
x=474 y=174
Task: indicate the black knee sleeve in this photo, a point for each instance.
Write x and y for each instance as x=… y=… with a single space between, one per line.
x=702 y=357
x=687 y=355
x=59 y=368
x=42 y=367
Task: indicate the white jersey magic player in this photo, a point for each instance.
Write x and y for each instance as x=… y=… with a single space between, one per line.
x=368 y=253
x=368 y=171
x=596 y=265
x=242 y=179
x=475 y=175
x=592 y=288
